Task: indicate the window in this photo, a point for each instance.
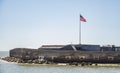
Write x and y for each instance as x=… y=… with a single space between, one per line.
x=68 y=57
x=81 y=57
x=96 y=57
x=110 y=58
x=53 y=57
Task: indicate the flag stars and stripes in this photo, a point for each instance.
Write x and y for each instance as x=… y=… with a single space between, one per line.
x=82 y=18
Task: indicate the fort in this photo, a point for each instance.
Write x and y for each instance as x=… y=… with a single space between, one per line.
x=71 y=54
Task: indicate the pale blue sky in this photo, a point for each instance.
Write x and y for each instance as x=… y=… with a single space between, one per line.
x=32 y=23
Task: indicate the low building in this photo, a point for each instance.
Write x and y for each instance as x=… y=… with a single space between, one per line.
x=51 y=47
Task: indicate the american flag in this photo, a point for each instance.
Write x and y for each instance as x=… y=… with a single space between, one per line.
x=82 y=18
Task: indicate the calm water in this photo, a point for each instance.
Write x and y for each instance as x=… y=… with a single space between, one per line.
x=6 y=67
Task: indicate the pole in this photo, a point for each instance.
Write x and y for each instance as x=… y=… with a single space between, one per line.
x=80 y=32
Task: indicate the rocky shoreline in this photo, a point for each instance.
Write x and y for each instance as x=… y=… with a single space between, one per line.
x=20 y=61
x=12 y=59
x=39 y=61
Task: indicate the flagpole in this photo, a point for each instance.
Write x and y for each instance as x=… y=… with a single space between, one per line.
x=80 y=32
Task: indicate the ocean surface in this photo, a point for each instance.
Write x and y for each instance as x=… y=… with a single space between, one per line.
x=6 y=67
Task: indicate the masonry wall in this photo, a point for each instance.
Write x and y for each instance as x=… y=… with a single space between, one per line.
x=67 y=55
x=24 y=53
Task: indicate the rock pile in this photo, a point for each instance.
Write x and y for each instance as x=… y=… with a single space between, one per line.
x=18 y=60
x=12 y=59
